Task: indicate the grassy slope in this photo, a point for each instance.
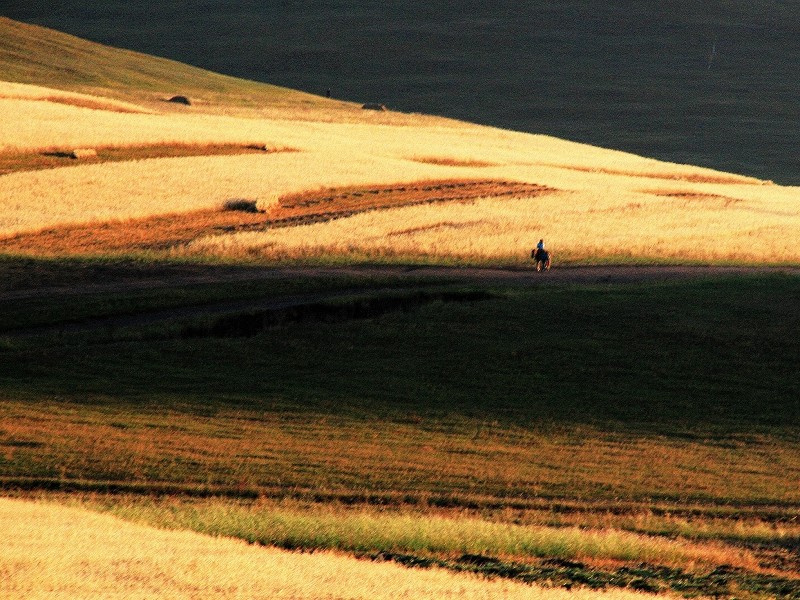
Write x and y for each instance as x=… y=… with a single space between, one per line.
x=477 y=399
x=550 y=405
x=36 y=55
x=54 y=551
x=624 y=74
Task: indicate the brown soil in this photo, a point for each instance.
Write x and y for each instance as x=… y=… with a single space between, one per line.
x=344 y=202
x=165 y=231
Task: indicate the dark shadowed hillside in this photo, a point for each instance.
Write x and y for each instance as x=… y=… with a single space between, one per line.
x=705 y=82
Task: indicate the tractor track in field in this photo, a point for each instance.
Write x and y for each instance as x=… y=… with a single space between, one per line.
x=405 y=280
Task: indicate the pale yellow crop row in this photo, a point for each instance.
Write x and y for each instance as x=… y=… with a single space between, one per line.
x=51 y=551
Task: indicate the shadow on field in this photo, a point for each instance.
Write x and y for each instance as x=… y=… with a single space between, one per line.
x=252 y=323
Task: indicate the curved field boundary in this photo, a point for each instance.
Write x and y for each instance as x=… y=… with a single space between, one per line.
x=64 y=552
x=56 y=158
x=165 y=231
x=722 y=178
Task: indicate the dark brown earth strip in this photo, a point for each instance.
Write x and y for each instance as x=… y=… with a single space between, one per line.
x=151 y=233
x=384 y=196
x=57 y=158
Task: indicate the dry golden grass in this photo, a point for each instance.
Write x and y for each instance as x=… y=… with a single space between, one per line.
x=19 y=91
x=40 y=124
x=606 y=206
x=44 y=118
x=453 y=162
x=577 y=227
x=166 y=231
x=52 y=551
x=678 y=176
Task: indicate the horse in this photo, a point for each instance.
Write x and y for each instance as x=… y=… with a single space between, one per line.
x=542 y=259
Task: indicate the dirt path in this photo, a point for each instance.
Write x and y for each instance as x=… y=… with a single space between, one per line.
x=404 y=278
x=202 y=274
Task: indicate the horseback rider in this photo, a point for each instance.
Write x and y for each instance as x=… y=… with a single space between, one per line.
x=539 y=249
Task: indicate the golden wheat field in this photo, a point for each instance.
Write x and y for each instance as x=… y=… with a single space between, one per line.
x=601 y=203
x=53 y=551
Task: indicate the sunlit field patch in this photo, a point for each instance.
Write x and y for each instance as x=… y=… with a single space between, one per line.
x=372 y=531
x=51 y=550
x=171 y=231
x=604 y=210
x=578 y=227
x=19 y=91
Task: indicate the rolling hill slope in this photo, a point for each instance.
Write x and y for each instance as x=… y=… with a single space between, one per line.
x=36 y=55
x=601 y=204
x=636 y=76
x=514 y=403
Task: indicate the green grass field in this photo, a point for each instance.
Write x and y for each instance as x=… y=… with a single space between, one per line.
x=666 y=410
x=553 y=393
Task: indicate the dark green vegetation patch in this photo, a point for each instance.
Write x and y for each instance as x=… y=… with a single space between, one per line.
x=570 y=388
